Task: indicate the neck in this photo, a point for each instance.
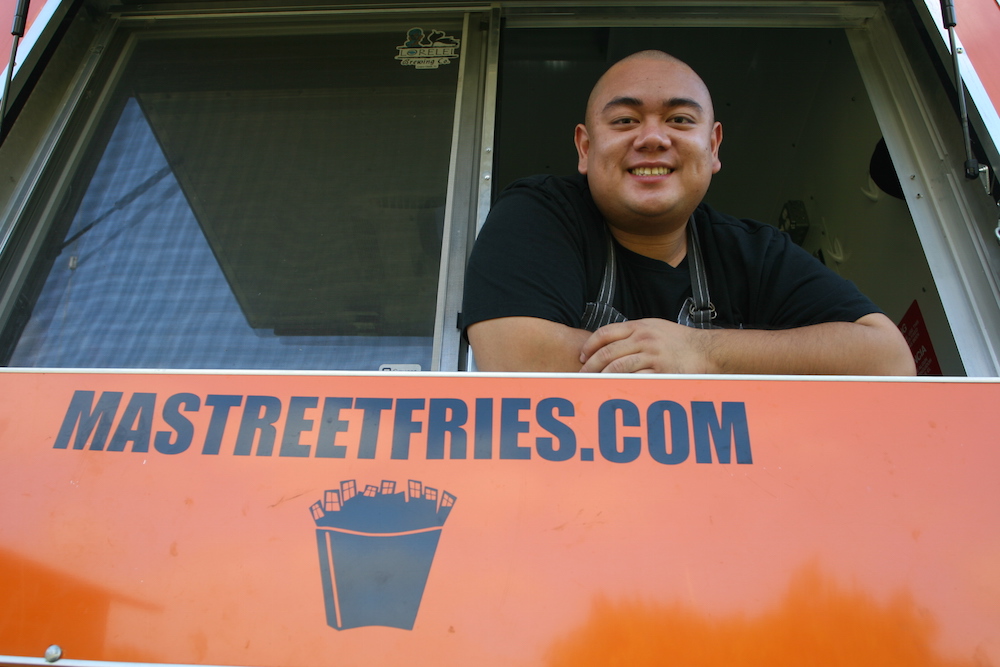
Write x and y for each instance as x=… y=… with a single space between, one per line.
x=670 y=247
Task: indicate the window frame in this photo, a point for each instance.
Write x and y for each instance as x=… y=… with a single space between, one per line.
x=954 y=217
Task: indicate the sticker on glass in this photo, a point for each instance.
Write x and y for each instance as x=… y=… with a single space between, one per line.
x=427 y=49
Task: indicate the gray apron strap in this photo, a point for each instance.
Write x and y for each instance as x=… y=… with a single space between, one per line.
x=601 y=312
x=697 y=311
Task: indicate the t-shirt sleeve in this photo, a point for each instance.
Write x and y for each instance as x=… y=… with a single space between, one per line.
x=795 y=289
x=529 y=259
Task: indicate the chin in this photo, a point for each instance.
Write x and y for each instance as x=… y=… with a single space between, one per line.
x=658 y=210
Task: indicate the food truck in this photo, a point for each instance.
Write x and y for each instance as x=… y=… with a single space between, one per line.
x=239 y=424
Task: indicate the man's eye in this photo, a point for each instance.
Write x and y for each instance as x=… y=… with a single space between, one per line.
x=623 y=121
x=682 y=120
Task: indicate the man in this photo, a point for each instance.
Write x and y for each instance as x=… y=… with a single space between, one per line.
x=647 y=153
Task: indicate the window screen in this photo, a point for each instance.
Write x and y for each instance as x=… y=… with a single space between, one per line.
x=253 y=202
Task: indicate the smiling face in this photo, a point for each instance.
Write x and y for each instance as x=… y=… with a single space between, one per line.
x=650 y=144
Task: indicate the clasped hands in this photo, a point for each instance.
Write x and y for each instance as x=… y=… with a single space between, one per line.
x=647 y=346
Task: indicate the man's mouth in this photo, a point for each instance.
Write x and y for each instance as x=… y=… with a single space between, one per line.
x=650 y=171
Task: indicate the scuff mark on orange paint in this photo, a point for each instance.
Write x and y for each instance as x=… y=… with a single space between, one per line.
x=816 y=623
x=283 y=499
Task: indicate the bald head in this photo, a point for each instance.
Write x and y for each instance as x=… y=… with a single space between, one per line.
x=672 y=67
x=650 y=144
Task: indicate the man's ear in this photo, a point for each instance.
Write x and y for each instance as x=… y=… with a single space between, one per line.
x=716 y=142
x=582 y=140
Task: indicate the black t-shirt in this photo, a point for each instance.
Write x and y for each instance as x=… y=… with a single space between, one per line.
x=543 y=250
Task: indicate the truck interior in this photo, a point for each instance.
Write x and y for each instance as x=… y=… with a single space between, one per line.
x=800 y=139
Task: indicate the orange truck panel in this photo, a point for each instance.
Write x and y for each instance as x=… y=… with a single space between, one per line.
x=476 y=520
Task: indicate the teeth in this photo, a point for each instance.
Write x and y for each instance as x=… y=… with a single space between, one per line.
x=651 y=171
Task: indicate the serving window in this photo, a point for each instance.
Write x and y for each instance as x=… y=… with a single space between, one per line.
x=837 y=124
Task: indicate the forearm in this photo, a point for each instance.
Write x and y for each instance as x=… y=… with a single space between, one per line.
x=526 y=344
x=870 y=346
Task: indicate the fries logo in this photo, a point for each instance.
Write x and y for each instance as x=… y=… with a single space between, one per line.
x=375 y=551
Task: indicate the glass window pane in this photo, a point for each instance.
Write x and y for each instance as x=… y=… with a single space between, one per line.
x=259 y=202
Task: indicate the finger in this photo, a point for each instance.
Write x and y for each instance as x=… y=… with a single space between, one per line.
x=601 y=358
x=621 y=356
x=603 y=337
x=631 y=363
x=597 y=361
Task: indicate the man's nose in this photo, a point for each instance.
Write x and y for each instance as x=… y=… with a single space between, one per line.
x=652 y=136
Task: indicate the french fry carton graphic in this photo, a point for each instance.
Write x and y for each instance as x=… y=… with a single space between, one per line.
x=375 y=551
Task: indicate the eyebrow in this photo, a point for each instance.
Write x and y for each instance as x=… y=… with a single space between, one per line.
x=626 y=101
